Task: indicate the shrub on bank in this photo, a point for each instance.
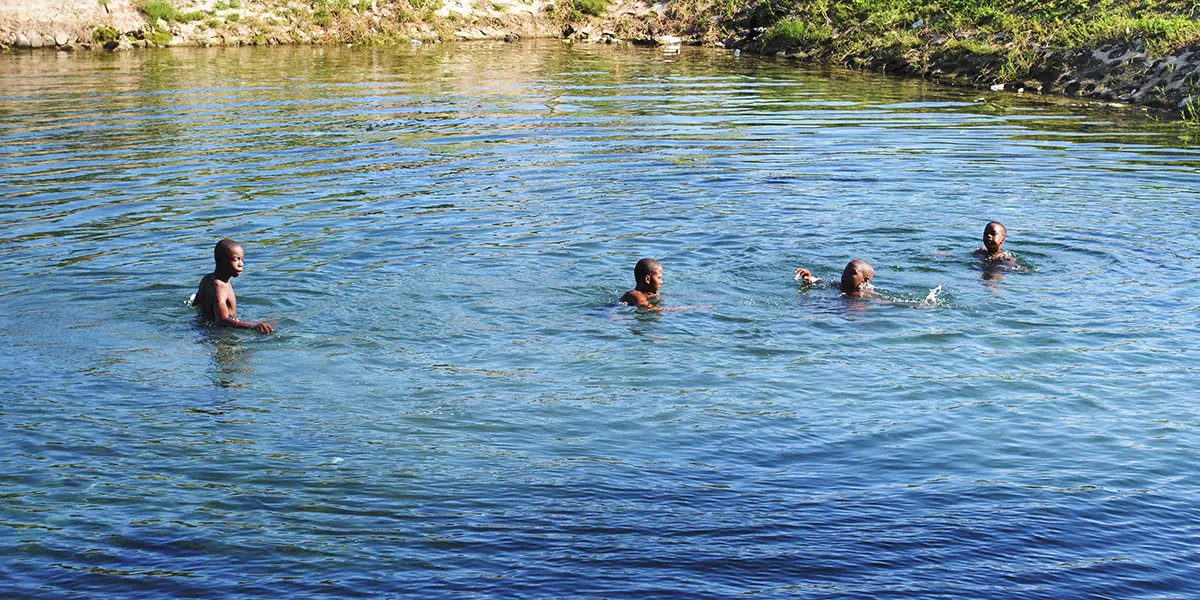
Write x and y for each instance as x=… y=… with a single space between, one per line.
x=157 y=9
x=104 y=34
x=591 y=7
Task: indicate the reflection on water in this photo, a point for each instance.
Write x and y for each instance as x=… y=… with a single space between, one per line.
x=453 y=406
x=232 y=362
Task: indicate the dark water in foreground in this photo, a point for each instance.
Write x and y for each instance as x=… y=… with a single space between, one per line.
x=450 y=407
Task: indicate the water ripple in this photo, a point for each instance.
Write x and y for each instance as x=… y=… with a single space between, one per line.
x=453 y=406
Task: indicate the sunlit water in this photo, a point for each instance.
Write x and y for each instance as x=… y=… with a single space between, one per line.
x=453 y=407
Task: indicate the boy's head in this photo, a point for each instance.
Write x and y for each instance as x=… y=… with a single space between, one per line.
x=648 y=274
x=993 y=236
x=229 y=256
x=856 y=277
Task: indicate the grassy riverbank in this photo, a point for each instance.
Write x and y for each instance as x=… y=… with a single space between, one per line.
x=1015 y=32
x=1118 y=48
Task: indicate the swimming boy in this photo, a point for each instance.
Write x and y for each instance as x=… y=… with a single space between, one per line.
x=648 y=276
x=993 y=243
x=215 y=298
x=856 y=278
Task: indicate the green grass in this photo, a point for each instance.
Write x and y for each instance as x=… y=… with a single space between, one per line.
x=159 y=38
x=157 y=9
x=104 y=34
x=188 y=17
x=1003 y=35
x=591 y=7
x=322 y=17
x=1191 y=112
x=798 y=33
x=1162 y=25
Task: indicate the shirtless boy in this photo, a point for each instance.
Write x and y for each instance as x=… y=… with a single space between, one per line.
x=993 y=243
x=856 y=278
x=648 y=275
x=215 y=298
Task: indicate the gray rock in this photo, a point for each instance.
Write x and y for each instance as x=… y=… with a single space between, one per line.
x=23 y=41
x=61 y=39
x=36 y=41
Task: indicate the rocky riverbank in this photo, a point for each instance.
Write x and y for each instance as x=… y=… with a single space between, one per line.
x=1144 y=52
x=125 y=24
x=1063 y=47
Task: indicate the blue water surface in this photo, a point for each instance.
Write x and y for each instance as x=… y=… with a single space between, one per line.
x=452 y=405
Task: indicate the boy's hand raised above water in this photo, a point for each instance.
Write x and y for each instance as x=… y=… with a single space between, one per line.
x=806 y=276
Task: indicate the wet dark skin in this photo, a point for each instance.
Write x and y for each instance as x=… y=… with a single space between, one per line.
x=648 y=280
x=994 y=235
x=855 y=282
x=649 y=277
x=215 y=297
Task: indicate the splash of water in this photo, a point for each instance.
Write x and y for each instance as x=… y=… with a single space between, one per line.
x=931 y=297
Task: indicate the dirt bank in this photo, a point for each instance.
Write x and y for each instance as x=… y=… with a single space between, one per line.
x=50 y=23
x=123 y=24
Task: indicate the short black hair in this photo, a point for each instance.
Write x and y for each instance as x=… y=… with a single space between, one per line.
x=645 y=267
x=853 y=267
x=224 y=249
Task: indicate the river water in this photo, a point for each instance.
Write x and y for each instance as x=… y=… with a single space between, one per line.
x=452 y=406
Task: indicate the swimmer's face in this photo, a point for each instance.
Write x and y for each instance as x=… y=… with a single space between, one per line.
x=856 y=278
x=993 y=237
x=235 y=261
x=653 y=281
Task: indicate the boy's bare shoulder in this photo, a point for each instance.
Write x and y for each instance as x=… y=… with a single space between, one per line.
x=210 y=285
x=204 y=289
x=211 y=282
x=635 y=298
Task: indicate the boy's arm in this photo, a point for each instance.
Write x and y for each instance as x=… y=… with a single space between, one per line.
x=221 y=311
